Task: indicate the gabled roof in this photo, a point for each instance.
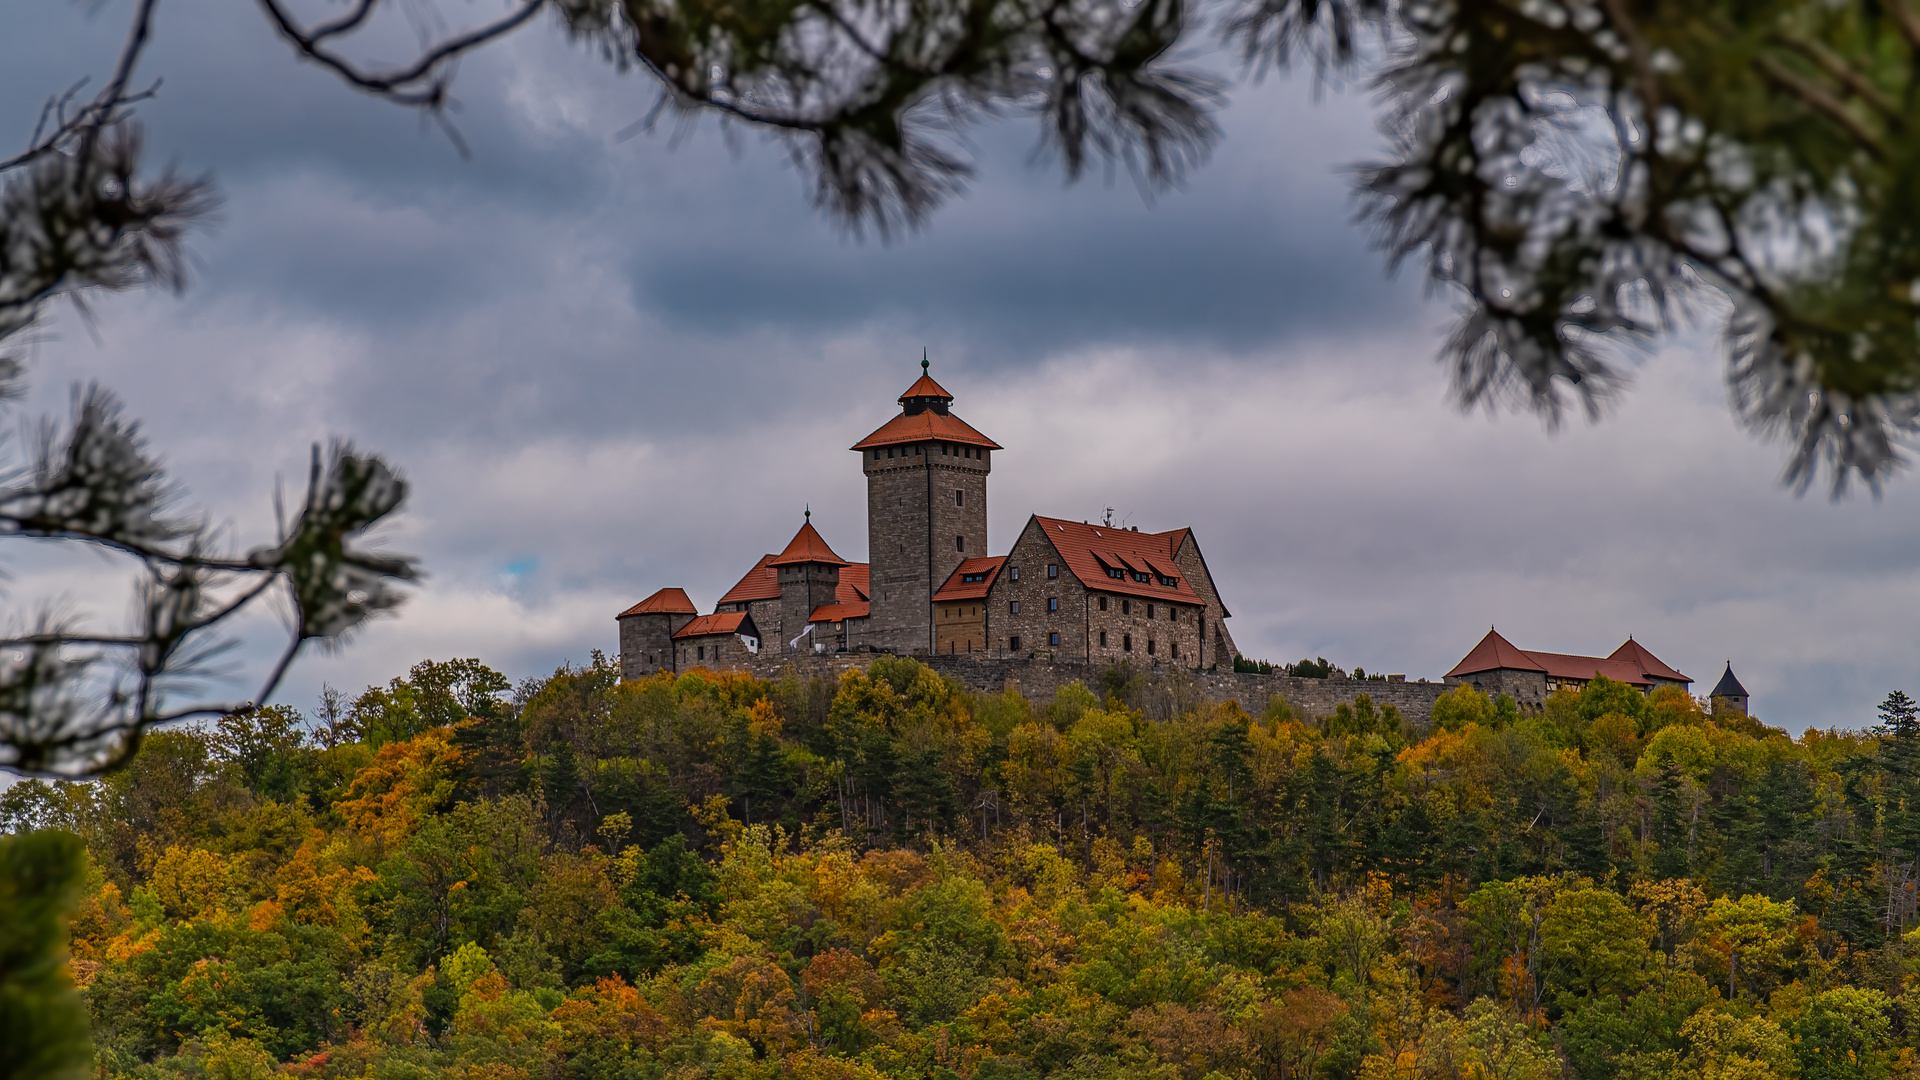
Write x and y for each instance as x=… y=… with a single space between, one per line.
x=925 y=387
x=956 y=588
x=664 y=602
x=923 y=427
x=726 y=622
x=761 y=583
x=1728 y=686
x=1630 y=663
x=837 y=611
x=1179 y=538
x=807 y=547
x=1495 y=652
x=1085 y=547
x=1649 y=664
x=1569 y=666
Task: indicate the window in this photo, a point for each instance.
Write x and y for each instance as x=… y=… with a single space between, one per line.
x=1053 y=603
x=959 y=497
x=1126 y=607
x=1149 y=611
x=1149 y=646
x=1053 y=570
x=1126 y=642
x=1140 y=577
x=959 y=543
x=702 y=650
x=1013 y=607
x=945 y=449
x=889 y=451
x=1103 y=607
x=973 y=579
x=1014 y=573
x=1053 y=638
x=1103 y=639
x=1168 y=582
x=1173 y=647
x=1013 y=643
x=1117 y=575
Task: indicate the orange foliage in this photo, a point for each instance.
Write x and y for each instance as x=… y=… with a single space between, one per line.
x=406 y=781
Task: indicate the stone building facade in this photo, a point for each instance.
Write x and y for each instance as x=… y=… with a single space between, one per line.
x=1091 y=593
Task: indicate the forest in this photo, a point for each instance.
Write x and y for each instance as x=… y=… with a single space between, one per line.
x=708 y=875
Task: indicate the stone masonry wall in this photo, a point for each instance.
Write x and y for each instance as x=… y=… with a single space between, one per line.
x=1217 y=645
x=1030 y=555
x=1169 y=689
x=646 y=642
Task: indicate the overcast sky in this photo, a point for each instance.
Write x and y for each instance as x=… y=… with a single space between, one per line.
x=610 y=366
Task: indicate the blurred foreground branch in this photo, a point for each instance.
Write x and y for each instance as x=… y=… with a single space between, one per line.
x=77 y=215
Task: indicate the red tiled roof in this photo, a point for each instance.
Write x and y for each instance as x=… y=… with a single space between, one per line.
x=807 y=547
x=727 y=622
x=925 y=387
x=1649 y=664
x=955 y=589
x=1084 y=546
x=853 y=584
x=1630 y=663
x=1495 y=652
x=836 y=611
x=928 y=426
x=761 y=583
x=1567 y=666
x=664 y=602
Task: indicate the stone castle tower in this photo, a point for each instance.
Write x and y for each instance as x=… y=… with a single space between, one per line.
x=926 y=475
x=809 y=576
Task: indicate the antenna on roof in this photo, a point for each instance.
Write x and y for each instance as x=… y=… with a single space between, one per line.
x=1108 y=520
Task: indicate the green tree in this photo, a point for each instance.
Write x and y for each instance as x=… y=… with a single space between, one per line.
x=43 y=1023
x=1845 y=1034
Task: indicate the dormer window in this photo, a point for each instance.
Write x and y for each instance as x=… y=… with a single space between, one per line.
x=1170 y=582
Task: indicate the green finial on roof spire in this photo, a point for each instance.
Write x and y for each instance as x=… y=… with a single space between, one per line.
x=924 y=362
x=808 y=512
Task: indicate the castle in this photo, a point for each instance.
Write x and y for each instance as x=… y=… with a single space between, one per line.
x=1068 y=599
x=1067 y=590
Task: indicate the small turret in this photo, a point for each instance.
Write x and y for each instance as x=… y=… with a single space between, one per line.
x=1728 y=689
x=809 y=574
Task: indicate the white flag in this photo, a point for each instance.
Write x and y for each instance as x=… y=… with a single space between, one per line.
x=795 y=643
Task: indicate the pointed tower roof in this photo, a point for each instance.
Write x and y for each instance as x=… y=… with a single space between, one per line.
x=1492 y=653
x=1728 y=686
x=925 y=417
x=807 y=547
x=925 y=387
x=664 y=602
x=1649 y=664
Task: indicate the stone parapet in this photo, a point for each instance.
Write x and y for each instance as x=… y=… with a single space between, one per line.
x=1164 y=689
